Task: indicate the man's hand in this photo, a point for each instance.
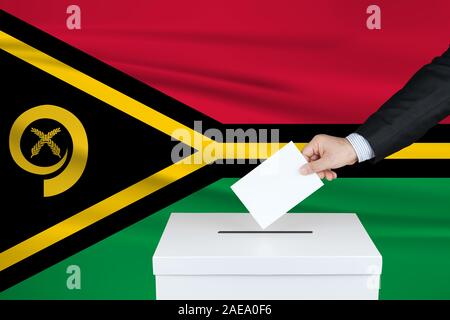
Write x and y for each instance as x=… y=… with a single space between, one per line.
x=325 y=153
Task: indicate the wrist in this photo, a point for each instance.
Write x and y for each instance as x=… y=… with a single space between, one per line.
x=351 y=155
x=361 y=147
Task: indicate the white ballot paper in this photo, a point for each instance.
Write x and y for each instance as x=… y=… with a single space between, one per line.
x=275 y=186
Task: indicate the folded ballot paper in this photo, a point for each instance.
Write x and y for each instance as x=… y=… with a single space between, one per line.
x=275 y=186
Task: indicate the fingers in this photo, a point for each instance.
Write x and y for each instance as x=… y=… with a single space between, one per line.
x=305 y=170
x=318 y=161
x=315 y=166
x=330 y=175
x=312 y=158
x=327 y=174
x=309 y=150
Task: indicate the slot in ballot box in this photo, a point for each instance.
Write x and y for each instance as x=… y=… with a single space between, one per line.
x=300 y=256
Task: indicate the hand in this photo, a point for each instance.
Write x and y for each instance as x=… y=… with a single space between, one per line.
x=325 y=153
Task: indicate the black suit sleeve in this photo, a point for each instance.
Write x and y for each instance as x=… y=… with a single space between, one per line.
x=407 y=116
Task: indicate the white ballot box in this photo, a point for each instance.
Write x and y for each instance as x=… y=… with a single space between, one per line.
x=300 y=256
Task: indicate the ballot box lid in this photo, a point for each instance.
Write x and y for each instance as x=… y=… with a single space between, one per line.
x=233 y=244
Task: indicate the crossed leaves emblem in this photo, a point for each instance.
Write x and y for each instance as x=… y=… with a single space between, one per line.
x=46 y=139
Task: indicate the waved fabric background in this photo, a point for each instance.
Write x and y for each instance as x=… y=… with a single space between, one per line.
x=265 y=62
x=254 y=61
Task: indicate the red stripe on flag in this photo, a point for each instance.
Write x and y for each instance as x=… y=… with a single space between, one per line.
x=257 y=61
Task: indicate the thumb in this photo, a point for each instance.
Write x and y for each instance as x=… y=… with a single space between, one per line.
x=314 y=166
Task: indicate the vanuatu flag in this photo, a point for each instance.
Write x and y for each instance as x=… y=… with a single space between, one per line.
x=101 y=99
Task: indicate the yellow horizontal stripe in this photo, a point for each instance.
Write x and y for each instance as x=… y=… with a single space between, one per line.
x=423 y=150
x=418 y=150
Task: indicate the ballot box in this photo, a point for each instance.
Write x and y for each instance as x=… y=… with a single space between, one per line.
x=300 y=256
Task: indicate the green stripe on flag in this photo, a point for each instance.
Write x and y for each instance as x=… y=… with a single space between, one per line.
x=407 y=218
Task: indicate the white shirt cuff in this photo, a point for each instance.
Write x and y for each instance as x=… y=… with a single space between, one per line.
x=362 y=147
